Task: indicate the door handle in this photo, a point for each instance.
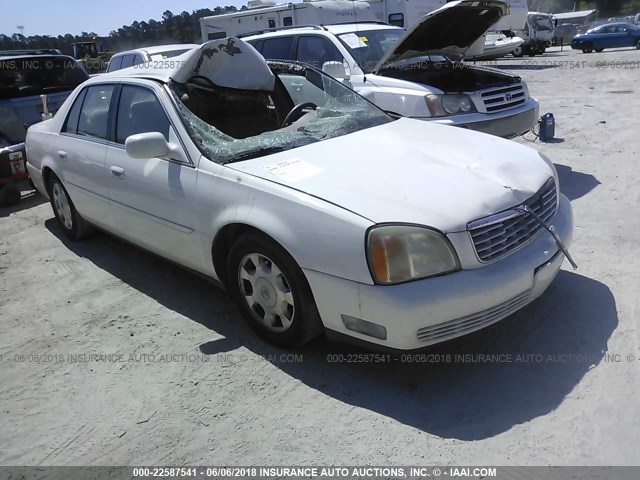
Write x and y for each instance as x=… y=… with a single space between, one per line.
x=62 y=154
x=117 y=172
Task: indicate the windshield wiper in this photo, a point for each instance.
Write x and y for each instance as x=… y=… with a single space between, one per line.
x=260 y=152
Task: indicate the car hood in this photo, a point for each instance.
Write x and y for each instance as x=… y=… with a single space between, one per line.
x=410 y=171
x=448 y=31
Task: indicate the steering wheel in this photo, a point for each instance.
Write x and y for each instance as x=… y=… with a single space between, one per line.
x=296 y=111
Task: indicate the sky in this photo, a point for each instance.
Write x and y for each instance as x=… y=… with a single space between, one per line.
x=47 y=17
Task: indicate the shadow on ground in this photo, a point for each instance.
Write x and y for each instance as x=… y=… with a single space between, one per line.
x=545 y=349
x=575 y=184
x=30 y=198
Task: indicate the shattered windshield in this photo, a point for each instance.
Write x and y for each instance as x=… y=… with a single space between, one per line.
x=369 y=46
x=305 y=106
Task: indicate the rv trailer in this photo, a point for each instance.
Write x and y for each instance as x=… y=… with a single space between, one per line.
x=264 y=15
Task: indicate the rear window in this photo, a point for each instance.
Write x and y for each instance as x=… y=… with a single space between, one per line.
x=25 y=77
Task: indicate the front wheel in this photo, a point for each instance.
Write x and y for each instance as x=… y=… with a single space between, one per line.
x=517 y=52
x=271 y=292
x=587 y=48
x=73 y=225
x=638 y=44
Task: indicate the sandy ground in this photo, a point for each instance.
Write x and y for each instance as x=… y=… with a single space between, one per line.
x=228 y=398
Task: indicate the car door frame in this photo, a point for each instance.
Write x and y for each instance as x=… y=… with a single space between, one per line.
x=99 y=211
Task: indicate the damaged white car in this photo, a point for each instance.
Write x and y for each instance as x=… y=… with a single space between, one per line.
x=314 y=208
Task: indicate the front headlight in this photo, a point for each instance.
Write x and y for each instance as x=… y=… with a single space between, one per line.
x=525 y=87
x=399 y=253
x=449 y=104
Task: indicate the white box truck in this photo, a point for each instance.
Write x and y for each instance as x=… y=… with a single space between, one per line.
x=263 y=15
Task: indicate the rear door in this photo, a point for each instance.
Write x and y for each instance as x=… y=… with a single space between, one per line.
x=153 y=200
x=81 y=151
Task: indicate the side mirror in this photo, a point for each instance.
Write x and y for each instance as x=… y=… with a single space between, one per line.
x=147 y=145
x=336 y=70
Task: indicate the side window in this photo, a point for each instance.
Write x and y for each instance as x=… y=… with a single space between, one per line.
x=71 y=124
x=396 y=19
x=127 y=60
x=139 y=111
x=138 y=59
x=277 y=48
x=316 y=50
x=287 y=21
x=272 y=23
x=257 y=44
x=115 y=64
x=94 y=115
x=216 y=35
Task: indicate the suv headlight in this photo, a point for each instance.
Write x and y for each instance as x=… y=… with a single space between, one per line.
x=525 y=87
x=548 y=161
x=399 y=253
x=442 y=105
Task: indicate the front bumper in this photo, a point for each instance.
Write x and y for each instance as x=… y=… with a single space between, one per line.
x=429 y=311
x=507 y=123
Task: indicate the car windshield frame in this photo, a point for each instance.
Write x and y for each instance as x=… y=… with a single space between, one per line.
x=340 y=115
x=362 y=54
x=32 y=76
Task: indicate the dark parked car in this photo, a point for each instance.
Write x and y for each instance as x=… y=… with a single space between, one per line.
x=609 y=35
x=24 y=76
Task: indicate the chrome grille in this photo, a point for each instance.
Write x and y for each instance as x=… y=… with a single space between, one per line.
x=503 y=97
x=470 y=323
x=498 y=235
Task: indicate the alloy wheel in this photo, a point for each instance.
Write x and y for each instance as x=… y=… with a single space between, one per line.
x=63 y=207
x=266 y=291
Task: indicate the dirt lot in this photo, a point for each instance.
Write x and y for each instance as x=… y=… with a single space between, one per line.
x=188 y=383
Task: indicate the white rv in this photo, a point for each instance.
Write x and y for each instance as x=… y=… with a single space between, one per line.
x=262 y=15
x=405 y=13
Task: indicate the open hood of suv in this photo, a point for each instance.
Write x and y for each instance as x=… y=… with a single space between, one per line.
x=448 y=31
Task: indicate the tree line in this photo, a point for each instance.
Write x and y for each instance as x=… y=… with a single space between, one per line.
x=185 y=27
x=181 y=28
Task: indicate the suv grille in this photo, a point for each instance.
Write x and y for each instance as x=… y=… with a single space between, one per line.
x=498 y=235
x=503 y=97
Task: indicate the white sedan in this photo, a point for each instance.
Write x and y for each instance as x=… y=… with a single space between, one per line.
x=313 y=207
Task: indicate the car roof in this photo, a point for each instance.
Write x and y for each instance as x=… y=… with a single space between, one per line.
x=158 y=48
x=35 y=56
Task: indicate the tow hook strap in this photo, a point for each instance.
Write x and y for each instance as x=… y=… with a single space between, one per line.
x=526 y=210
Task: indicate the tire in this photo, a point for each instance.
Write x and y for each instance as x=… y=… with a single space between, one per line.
x=73 y=225
x=638 y=44
x=9 y=195
x=598 y=50
x=271 y=292
x=517 y=52
x=587 y=47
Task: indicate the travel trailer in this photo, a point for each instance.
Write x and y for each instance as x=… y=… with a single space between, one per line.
x=263 y=15
x=404 y=13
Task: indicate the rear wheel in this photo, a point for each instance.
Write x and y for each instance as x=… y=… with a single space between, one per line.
x=638 y=44
x=271 y=291
x=587 y=47
x=73 y=225
x=599 y=49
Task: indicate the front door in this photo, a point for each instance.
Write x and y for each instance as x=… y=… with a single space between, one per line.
x=153 y=200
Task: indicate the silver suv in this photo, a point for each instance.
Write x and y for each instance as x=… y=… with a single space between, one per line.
x=418 y=73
